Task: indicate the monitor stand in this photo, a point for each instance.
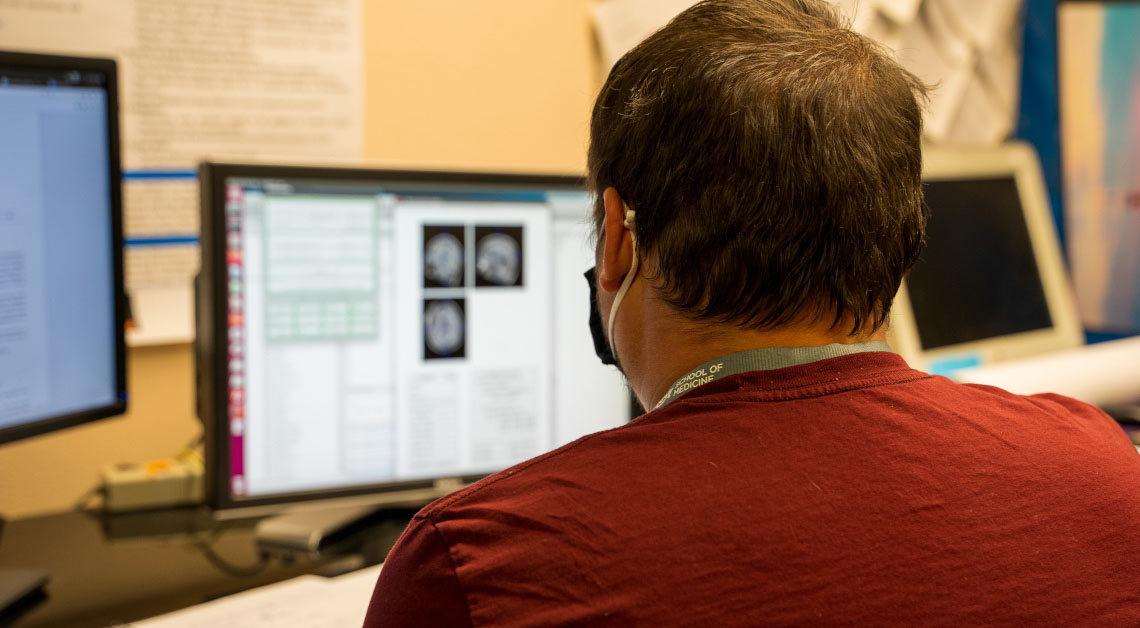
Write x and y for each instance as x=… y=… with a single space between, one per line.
x=20 y=590
x=344 y=527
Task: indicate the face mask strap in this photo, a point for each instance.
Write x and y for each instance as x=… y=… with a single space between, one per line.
x=625 y=284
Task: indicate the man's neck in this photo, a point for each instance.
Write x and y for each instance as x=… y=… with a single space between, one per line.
x=669 y=346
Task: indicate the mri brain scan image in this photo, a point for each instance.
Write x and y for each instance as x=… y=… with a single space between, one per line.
x=444 y=329
x=443 y=257
x=498 y=256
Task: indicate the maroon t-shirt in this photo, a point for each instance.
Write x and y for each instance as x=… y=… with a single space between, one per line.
x=851 y=491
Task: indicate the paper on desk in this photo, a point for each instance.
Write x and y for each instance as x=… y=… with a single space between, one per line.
x=303 y=602
x=358 y=580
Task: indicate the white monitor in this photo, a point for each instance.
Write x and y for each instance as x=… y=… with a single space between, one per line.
x=991 y=284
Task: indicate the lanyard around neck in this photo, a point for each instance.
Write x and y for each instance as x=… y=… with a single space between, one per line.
x=762 y=360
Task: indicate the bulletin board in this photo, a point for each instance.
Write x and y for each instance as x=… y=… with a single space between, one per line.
x=254 y=79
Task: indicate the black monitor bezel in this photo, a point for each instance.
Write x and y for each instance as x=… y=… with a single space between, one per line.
x=211 y=350
x=109 y=69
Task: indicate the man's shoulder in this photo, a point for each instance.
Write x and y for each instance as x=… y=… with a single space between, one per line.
x=532 y=480
x=1062 y=409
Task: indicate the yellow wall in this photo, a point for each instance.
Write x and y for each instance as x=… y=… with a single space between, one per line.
x=503 y=85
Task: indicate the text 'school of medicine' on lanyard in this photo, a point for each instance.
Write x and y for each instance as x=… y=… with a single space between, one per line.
x=761 y=360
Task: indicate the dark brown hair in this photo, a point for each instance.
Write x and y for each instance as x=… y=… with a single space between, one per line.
x=773 y=158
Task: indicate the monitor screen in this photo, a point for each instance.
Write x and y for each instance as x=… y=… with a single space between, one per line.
x=387 y=328
x=61 y=327
x=978 y=277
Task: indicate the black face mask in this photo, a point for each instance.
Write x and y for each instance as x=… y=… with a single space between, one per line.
x=597 y=330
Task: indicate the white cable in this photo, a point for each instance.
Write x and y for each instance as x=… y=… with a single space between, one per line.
x=629 y=222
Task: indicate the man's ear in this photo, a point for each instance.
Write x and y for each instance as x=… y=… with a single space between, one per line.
x=617 y=251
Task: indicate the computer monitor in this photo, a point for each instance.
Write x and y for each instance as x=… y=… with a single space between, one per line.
x=62 y=351
x=991 y=283
x=364 y=333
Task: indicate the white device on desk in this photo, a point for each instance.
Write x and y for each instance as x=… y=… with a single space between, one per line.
x=991 y=284
x=1103 y=374
x=159 y=483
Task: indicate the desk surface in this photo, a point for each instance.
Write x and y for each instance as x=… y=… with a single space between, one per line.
x=105 y=571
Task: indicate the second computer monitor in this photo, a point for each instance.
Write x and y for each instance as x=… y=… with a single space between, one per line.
x=367 y=331
x=991 y=283
x=62 y=351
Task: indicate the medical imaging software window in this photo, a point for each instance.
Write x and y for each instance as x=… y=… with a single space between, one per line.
x=380 y=336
